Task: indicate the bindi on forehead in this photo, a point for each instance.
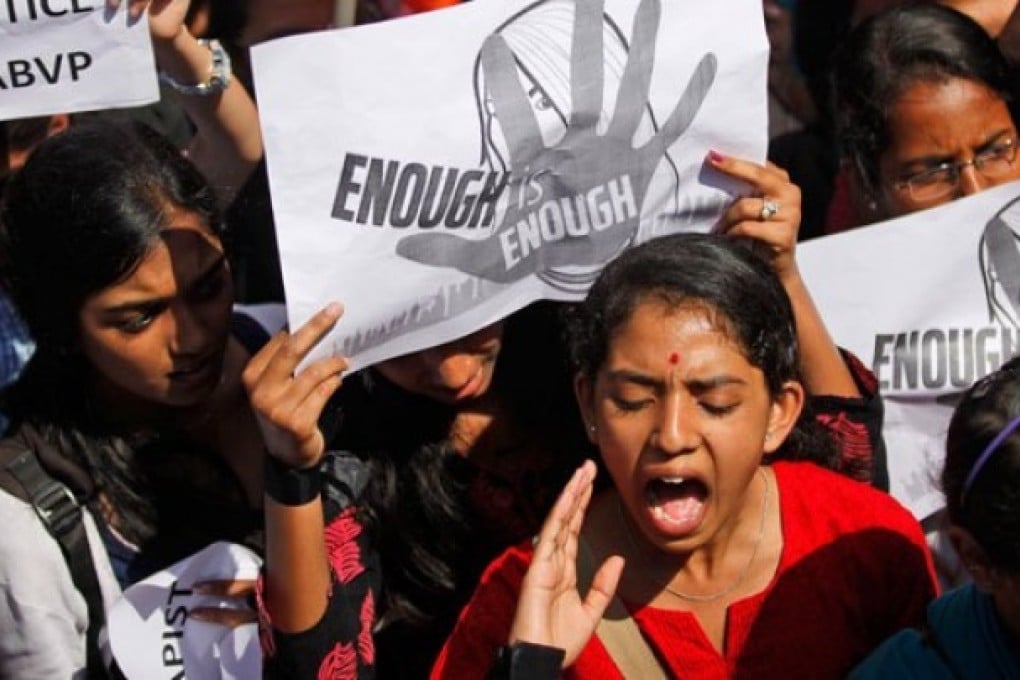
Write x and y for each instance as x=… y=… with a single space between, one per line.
x=674 y=359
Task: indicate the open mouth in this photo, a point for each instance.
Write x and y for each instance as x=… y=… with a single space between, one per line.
x=676 y=503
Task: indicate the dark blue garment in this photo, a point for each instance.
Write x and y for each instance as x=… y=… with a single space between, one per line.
x=964 y=639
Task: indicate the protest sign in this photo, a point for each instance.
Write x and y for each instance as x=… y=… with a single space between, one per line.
x=930 y=301
x=153 y=636
x=63 y=56
x=439 y=172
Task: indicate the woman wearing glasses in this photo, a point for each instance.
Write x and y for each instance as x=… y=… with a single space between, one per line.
x=926 y=110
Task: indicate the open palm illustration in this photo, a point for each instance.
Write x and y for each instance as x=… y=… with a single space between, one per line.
x=578 y=201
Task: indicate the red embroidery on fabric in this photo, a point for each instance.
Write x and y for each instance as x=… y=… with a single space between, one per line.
x=366 y=645
x=854 y=445
x=342 y=548
x=340 y=664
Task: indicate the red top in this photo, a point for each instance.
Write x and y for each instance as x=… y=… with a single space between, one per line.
x=854 y=569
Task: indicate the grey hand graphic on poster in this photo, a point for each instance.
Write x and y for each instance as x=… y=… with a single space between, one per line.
x=999 y=255
x=574 y=204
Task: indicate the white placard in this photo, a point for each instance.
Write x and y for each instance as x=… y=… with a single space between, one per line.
x=438 y=172
x=64 y=56
x=153 y=637
x=923 y=301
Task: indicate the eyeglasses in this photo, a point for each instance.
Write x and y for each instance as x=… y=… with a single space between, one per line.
x=938 y=182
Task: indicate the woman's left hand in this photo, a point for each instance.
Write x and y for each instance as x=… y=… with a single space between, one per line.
x=242 y=592
x=750 y=216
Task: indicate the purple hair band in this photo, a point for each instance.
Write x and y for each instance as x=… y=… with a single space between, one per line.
x=975 y=470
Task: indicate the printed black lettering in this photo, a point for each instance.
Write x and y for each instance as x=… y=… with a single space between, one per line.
x=987 y=361
x=934 y=359
x=172 y=656
x=430 y=216
x=175 y=591
x=33 y=10
x=405 y=207
x=462 y=202
x=49 y=11
x=378 y=191
x=495 y=183
x=347 y=186
x=905 y=361
x=78 y=62
x=20 y=72
x=175 y=616
x=50 y=78
x=1010 y=343
x=961 y=358
x=881 y=358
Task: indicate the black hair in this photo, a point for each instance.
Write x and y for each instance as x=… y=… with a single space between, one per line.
x=895 y=49
x=77 y=218
x=741 y=295
x=432 y=544
x=990 y=508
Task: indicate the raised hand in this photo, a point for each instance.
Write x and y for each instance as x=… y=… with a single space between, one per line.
x=745 y=216
x=286 y=405
x=550 y=610
x=579 y=201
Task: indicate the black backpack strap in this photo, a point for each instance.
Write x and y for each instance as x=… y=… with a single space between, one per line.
x=61 y=513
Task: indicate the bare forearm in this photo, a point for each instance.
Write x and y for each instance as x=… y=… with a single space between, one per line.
x=822 y=367
x=297 y=577
x=227 y=144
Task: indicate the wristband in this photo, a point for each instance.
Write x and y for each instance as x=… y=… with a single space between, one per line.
x=292 y=486
x=527 y=660
x=219 y=73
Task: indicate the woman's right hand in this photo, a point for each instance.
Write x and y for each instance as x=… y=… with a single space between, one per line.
x=550 y=610
x=286 y=405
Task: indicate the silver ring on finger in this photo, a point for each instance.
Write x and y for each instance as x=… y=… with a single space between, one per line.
x=769 y=209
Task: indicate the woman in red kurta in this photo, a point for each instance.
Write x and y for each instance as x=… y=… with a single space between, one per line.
x=688 y=384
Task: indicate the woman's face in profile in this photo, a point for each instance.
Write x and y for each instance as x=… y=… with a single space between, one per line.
x=158 y=336
x=947 y=139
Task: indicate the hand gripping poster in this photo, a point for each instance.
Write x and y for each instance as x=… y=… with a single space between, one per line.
x=438 y=172
x=931 y=302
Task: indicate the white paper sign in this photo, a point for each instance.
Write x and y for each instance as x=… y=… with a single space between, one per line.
x=63 y=56
x=152 y=635
x=923 y=300
x=439 y=172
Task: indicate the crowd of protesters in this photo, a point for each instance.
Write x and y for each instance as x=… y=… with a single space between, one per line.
x=682 y=476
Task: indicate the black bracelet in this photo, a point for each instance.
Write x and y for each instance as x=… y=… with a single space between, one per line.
x=292 y=486
x=527 y=660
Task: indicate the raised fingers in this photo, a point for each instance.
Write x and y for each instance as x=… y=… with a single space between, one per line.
x=280 y=364
x=586 y=68
x=687 y=108
x=513 y=110
x=637 y=75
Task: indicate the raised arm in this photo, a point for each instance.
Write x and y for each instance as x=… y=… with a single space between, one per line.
x=772 y=215
x=287 y=406
x=227 y=144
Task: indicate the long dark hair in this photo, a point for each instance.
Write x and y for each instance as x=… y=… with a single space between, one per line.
x=432 y=552
x=990 y=507
x=739 y=291
x=78 y=217
x=895 y=49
